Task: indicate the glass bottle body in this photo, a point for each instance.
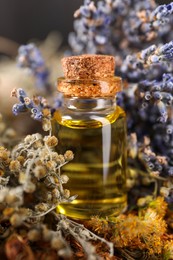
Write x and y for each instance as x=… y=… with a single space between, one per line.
x=95 y=130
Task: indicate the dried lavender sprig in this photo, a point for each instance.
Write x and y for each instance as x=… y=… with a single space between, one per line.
x=155 y=125
x=159 y=93
x=115 y=27
x=157 y=167
x=91 y=29
x=159 y=163
x=138 y=24
x=161 y=14
x=39 y=107
x=155 y=54
x=30 y=57
x=145 y=24
x=27 y=104
x=144 y=123
x=156 y=164
x=162 y=141
x=149 y=59
x=161 y=169
x=95 y=28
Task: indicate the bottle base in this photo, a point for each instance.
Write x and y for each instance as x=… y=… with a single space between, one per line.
x=83 y=209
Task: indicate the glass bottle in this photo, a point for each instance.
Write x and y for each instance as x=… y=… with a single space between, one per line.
x=91 y=125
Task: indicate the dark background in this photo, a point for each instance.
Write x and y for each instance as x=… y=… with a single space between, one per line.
x=23 y=20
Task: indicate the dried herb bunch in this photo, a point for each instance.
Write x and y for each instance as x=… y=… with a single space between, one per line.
x=31 y=187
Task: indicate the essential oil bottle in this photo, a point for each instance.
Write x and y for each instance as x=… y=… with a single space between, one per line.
x=91 y=125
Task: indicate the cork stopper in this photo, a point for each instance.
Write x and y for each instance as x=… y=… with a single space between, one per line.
x=88 y=66
x=89 y=75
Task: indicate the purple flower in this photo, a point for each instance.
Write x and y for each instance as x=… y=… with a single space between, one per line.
x=26 y=104
x=30 y=57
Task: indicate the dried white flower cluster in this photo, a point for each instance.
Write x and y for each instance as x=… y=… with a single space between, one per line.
x=31 y=187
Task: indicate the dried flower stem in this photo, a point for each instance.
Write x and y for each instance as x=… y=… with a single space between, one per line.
x=81 y=234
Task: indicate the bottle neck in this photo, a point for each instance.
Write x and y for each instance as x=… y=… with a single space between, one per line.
x=89 y=104
x=90 y=88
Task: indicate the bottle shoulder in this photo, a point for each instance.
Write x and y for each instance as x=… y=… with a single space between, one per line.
x=92 y=119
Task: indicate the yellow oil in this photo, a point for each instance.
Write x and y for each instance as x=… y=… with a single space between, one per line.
x=97 y=174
